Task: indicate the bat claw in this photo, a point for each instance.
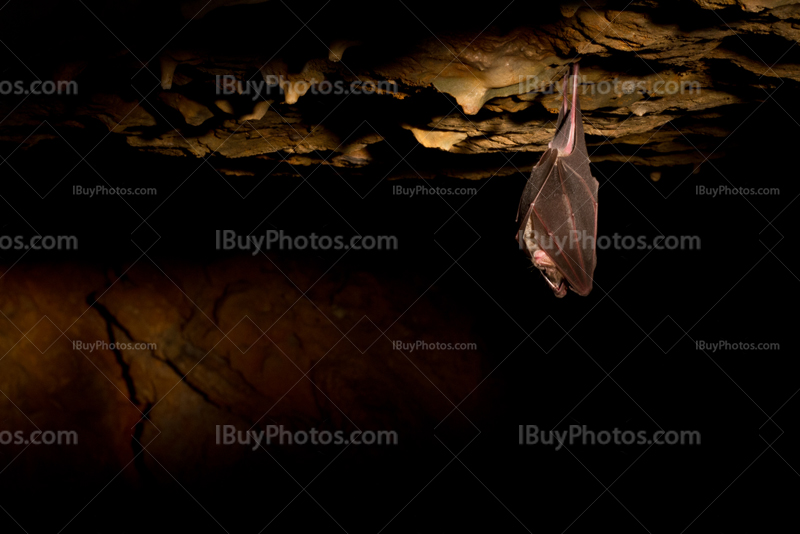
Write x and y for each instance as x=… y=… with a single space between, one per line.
x=560 y=291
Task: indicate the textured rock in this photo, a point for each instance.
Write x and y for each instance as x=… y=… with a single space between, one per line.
x=643 y=69
x=242 y=335
x=193 y=112
x=432 y=139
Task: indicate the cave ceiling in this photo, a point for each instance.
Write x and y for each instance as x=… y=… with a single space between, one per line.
x=254 y=85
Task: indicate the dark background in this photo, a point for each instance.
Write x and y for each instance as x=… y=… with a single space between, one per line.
x=551 y=355
x=623 y=357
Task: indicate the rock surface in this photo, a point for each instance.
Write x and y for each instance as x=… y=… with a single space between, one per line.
x=235 y=343
x=663 y=84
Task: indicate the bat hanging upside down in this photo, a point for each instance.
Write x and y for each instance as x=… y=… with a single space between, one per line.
x=558 y=208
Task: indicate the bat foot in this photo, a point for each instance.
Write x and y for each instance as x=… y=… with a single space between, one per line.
x=560 y=291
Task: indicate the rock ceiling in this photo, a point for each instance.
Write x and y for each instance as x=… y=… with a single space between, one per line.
x=663 y=83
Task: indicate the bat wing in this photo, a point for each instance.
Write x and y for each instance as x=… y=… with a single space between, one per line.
x=565 y=216
x=539 y=175
x=566 y=209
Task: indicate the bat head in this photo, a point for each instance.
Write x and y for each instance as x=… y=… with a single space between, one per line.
x=550 y=272
x=557 y=265
x=541 y=260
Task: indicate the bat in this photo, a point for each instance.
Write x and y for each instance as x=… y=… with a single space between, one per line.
x=557 y=213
